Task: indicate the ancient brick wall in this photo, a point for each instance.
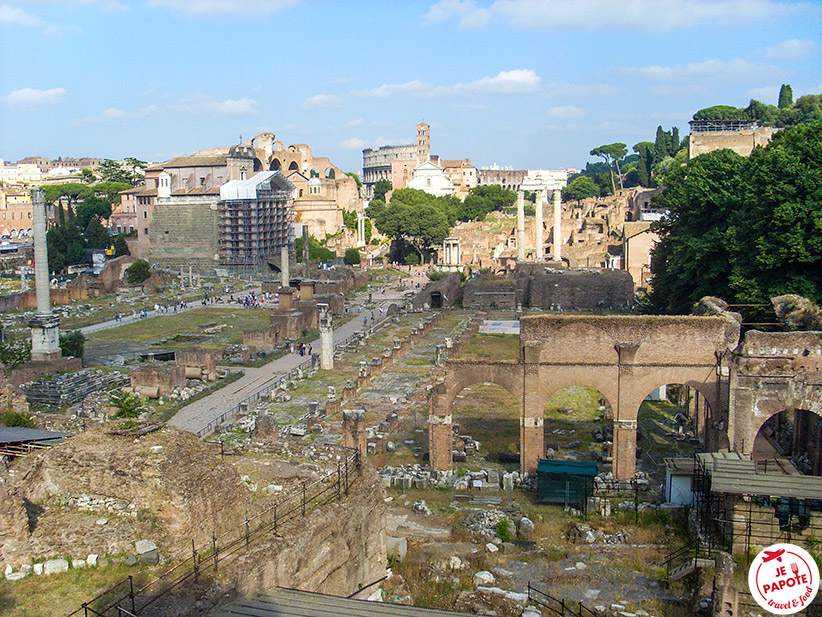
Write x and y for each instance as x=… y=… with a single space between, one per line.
x=184 y=234
x=165 y=376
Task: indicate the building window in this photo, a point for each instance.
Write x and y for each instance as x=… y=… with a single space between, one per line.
x=145 y=214
x=145 y=230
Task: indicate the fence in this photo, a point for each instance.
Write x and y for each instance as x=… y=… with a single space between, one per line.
x=122 y=599
x=558 y=606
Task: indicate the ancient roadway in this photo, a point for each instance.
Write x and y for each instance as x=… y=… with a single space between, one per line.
x=200 y=413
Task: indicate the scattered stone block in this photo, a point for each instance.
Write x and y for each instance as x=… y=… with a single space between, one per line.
x=491 y=547
x=396 y=548
x=484 y=577
x=26 y=569
x=147 y=552
x=526 y=527
x=91 y=560
x=156 y=449
x=130 y=561
x=15 y=576
x=508 y=547
x=55 y=566
x=101 y=521
x=77 y=564
x=38 y=569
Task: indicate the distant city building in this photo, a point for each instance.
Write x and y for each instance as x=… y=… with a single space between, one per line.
x=395 y=163
x=254 y=220
x=741 y=136
x=462 y=174
x=431 y=178
x=15 y=213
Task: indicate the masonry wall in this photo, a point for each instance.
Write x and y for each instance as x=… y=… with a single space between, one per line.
x=741 y=142
x=184 y=234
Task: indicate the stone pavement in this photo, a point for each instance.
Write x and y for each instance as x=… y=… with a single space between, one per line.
x=200 y=413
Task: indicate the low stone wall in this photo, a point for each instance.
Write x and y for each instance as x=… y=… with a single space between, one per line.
x=164 y=376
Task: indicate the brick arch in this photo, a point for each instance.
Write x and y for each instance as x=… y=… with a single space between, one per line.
x=639 y=386
x=507 y=376
x=811 y=400
x=554 y=379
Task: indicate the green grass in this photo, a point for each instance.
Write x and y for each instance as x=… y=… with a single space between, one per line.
x=492 y=348
x=490 y=414
x=187 y=328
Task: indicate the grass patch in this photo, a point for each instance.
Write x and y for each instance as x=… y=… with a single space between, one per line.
x=492 y=348
x=490 y=414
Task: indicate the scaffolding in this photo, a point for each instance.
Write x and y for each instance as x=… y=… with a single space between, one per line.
x=254 y=220
x=742 y=503
x=713 y=126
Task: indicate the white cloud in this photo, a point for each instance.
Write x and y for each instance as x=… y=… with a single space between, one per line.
x=196 y=103
x=353 y=143
x=322 y=101
x=737 y=70
x=242 y=8
x=564 y=112
x=766 y=94
x=29 y=97
x=790 y=49
x=356 y=122
x=113 y=115
x=13 y=16
x=594 y=90
x=505 y=82
x=595 y=14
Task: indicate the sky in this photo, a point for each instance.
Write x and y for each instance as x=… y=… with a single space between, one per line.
x=519 y=83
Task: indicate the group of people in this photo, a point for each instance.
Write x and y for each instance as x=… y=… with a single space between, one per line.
x=302 y=349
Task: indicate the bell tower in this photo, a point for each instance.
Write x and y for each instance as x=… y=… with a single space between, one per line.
x=423 y=142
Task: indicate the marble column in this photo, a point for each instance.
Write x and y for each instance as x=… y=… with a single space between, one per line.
x=45 y=332
x=520 y=226
x=538 y=241
x=557 y=225
x=326 y=338
x=285 y=275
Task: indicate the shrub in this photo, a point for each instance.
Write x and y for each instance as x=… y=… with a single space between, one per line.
x=73 y=344
x=17 y=418
x=503 y=531
x=138 y=272
x=128 y=404
x=352 y=257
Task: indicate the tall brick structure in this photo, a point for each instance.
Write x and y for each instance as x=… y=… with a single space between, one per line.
x=624 y=358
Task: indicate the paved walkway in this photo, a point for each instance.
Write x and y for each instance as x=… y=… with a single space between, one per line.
x=200 y=413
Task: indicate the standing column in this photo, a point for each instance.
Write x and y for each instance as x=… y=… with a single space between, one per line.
x=285 y=275
x=306 y=254
x=538 y=243
x=45 y=333
x=520 y=226
x=326 y=338
x=360 y=230
x=557 y=226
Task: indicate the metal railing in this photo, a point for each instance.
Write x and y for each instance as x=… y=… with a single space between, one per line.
x=558 y=606
x=123 y=599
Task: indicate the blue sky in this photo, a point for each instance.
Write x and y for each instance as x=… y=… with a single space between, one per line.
x=525 y=83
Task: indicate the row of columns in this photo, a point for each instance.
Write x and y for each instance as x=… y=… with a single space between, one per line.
x=538 y=237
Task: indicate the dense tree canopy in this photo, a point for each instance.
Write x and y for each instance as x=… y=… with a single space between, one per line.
x=381 y=187
x=422 y=219
x=804 y=110
x=484 y=199
x=612 y=153
x=581 y=187
x=744 y=229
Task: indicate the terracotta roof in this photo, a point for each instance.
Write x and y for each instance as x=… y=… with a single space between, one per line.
x=211 y=160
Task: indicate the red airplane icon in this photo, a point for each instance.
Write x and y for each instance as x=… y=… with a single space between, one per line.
x=771 y=555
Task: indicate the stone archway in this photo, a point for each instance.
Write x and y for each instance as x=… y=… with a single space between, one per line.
x=460 y=376
x=622 y=357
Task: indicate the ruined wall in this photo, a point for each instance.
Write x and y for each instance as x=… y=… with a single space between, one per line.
x=582 y=290
x=184 y=233
x=741 y=142
x=164 y=376
x=448 y=287
x=489 y=292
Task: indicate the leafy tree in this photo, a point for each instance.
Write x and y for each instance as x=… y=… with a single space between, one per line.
x=137 y=167
x=581 y=187
x=121 y=246
x=375 y=208
x=316 y=251
x=645 y=164
x=381 y=187
x=17 y=418
x=691 y=258
x=484 y=199
x=612 y=153
x=73 y=344
x=422 y=219
x=785 y=96
x=368 y=231
x=138 y=272
x=73 y=191
x=721 y=112
x=111 y=190
x=350 y=219
x=127 y=404
x=97 y=236
x=777 y=230
x=93 y=208
x=352 y=257
x=112 y=171
x=87 y=176
x=744 y=229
